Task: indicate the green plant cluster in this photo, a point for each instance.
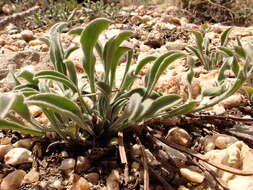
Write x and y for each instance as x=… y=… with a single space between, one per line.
x=209 y=57
x=112 y=107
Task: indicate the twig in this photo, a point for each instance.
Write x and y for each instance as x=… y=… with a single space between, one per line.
x=123 y=157
x=203 y=158
x=211 y=117
x=145 y=165
x=17 y=16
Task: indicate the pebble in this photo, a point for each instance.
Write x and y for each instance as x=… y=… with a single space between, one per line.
x=4 y=149
x=31 y=177
x=179 y=136
x=81 y=184
x=136 y=150
x=27 y=35
x=57 y=184
x=18 y=156
x=2 y=42
x=92 y=177
x=191 y=175
x=112 y=181
x=13 y=180
x=223 y=141
x=68 y=164
x=7 y=9
x=232 y=101
x=24 y=143
x=35 y=42
x=35 y=111
x=82 y=164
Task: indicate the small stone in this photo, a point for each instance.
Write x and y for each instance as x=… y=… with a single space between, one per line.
x=64 y=154
x=179 y=136
x=146 y=18
x=27 y=35
x=223 y=141
x=7 y=9
x=20 y=43
x=18 y=156
x=68 y=164
x=135 y=166
x=112 y=181
x=92 y=177
x=24 y=143
x=241 y=183
x=5 y=140
x=31 y=177
x=192 y=175
x=2 y=42
x=35 y=111
x=232 y=101
x=82 y=164
x=81 y=184
x=13 y=180
x=136 y=150
x=4 y=149
x=57 y=184
x=36 y=42
x=182 y=187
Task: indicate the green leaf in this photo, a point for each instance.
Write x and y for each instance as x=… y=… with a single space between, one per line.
x=57 y=76
x=162 y=103
x=214 y=91
x=4 y=124
x=56 y=50
x=104 y=88
x=199 y=39
x=144 y=62
x=6 y=102
x=224 y=36
x=71 y=71
x=184 y=109
x=28 y=76
x=228 y=52
x=241 y=52
x=89 y=38
x=68 y=51
x=76 y=31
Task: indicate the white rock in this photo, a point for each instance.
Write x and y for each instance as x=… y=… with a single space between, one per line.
x=223 y=141
x=241 y=183
x=36 y=42
x=13 y=180
x=18 y=156
x=24 y=143
x=219 y=109
x=68 y=164
x=57 y=184
x=31 y=177
x=179 y=136
x=112 y=181
x=191 y=175
x=4 y=149
x=82 y=164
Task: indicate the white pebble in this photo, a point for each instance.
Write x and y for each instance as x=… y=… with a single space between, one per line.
x=68 y=164
x=18 y=156
x=13 y=180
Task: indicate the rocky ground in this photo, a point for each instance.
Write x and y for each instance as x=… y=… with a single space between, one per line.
x=204 y=144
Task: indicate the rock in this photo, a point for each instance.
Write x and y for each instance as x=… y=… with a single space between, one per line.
x=24 y=143
x=82 y=164
x=191 y=175
x=31 y=177
x=4 y=149
x=219 y=109
x=18 y=156
x=241 y=183
x=146 y=18
x=57 y=184
x=7 y=9
x=182 y=187
x=112 y=181
x=135 y=166
x=92 y=177
x=209 y=143
x=171 y=19
x=68 y=164
x=232 y=101
x=13 y=180
x=36 y=42
x=35 y=111
x=2 y=42
x=223 y=141
x=178 y=136
x=136 y=150
x=81 y=184
x=27 y=35
x=176 y=45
